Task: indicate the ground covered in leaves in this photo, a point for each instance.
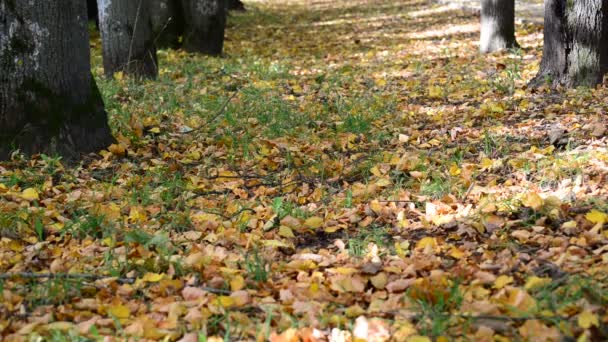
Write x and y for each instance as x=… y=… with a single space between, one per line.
x=350 y=170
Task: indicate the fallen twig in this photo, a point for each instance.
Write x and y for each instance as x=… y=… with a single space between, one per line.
x=86 y=276
x=216 y=115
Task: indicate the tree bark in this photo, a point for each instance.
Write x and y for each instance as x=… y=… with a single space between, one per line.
x=497 y=25
x=575 y=51
x=205 y=24
x=49 y=102
x=167 y=18
x=127 y=38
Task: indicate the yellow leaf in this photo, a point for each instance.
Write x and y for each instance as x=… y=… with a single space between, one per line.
x=225 y=301
x=380 y=82
x=454 y=170
x=375 y=206
x=313 y=222
x=597 y=217
x=194 y=155
x=379 y=280
x=60 y=326
x=30 y=194
x=486 y=163
x=237 y=283
x=118 y=150
x=533 y=200
x=110 y=211
x=402 y=248
x=376 y=171
x=286 y=232
x=383 y=182
x=302 y=265
x=58 y=225
x=587 y=319
x=153 y=277
x=155 y=130
x=354 y=311
x=496 y=108
x=137 y=215
x=536 y=282
x=456 y=253
x=418 y=338
x=435 y=92
x=119 y=311
x=502 y=281
x=427 y=242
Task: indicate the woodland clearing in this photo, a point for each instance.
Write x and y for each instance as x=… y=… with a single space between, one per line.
x=350 y=169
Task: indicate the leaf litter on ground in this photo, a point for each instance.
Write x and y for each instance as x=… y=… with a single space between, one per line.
x=350 y=170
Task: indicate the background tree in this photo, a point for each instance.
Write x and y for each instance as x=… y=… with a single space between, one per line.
x=127 y=38
x=497 y=25
x=235 y=5
x=49 y=101
x=575 y=50
x=205 y=24
x=167 y=18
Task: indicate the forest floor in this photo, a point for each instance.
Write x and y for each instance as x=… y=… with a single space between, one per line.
x=526 y=11
x=350 y=170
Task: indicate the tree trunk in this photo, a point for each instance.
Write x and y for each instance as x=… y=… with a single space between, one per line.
x=497 y=25
x=205 y=24
x=49 y=102
x=575 y=51
x=235 y=5
x=127 y=38
x=167 y=18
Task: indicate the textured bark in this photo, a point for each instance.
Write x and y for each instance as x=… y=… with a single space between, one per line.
x=575 y=51
x=205 y=24
x=167 y=18
x=127 y=38
x=497 y=25
x=49 y=102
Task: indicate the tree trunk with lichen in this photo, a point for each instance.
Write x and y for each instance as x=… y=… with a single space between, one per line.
x=49 y=102
x=205 y=23
x=497 y=25
x=575 y=51
x=167 y=18
x=127 y=38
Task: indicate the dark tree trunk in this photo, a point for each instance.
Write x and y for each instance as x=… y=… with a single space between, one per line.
x=92 y=11
x=49 y=102
x=235 y=5
x=167 y=18
x=127 y=38
x=497 y=25
x=205 y=24
x=575 y=51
